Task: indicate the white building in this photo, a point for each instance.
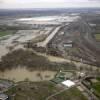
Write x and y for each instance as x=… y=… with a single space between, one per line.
x=3 y=97
x=68 y=83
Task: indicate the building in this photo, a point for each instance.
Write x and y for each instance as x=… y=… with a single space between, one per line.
x=68 y=44
x=3 y=97
x=68 y=83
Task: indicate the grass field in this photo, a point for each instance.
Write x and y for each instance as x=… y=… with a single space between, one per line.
x=40 y=91
x=71 y=94
x=32 y=91
x=98 y=78
x=96 y=86
x=4 y=33
x=97 y=37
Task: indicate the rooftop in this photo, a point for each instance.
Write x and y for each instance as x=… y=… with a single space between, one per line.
x=3 y=96
x=68 y=83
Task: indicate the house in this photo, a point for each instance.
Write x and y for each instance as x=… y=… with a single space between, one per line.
x=68 y=44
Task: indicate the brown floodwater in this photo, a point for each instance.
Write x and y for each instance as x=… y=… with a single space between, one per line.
x=21 y=74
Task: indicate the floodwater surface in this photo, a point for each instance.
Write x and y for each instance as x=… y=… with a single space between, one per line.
x=22 y=74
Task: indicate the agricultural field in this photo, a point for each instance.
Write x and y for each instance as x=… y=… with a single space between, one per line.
x=40 y=91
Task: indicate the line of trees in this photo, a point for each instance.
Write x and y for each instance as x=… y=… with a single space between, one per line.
x=31 y=61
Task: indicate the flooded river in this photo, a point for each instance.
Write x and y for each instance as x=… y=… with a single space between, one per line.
x=21 y=74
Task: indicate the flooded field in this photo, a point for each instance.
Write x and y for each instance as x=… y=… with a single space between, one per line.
x=21 y=74
x=17 y=40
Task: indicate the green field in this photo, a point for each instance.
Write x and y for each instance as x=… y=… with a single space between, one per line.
x=96 y=86
x=97 y=37
x=4 y=33
x=41 y=90
x=36 y=91
x=98 y=78
x=71 y=94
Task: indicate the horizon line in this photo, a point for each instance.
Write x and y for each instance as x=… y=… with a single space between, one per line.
x=50 y=8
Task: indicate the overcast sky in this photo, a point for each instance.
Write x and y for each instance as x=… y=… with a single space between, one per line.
x=48 y=3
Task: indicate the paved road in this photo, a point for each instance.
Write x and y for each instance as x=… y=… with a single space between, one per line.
x=47 y=40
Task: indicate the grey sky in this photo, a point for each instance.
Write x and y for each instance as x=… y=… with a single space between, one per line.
x=48 y=3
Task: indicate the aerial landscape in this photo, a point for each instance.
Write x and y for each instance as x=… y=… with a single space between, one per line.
x=49 y=52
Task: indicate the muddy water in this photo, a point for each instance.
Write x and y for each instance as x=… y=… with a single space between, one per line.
x=21 y=74
x=3 y=51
